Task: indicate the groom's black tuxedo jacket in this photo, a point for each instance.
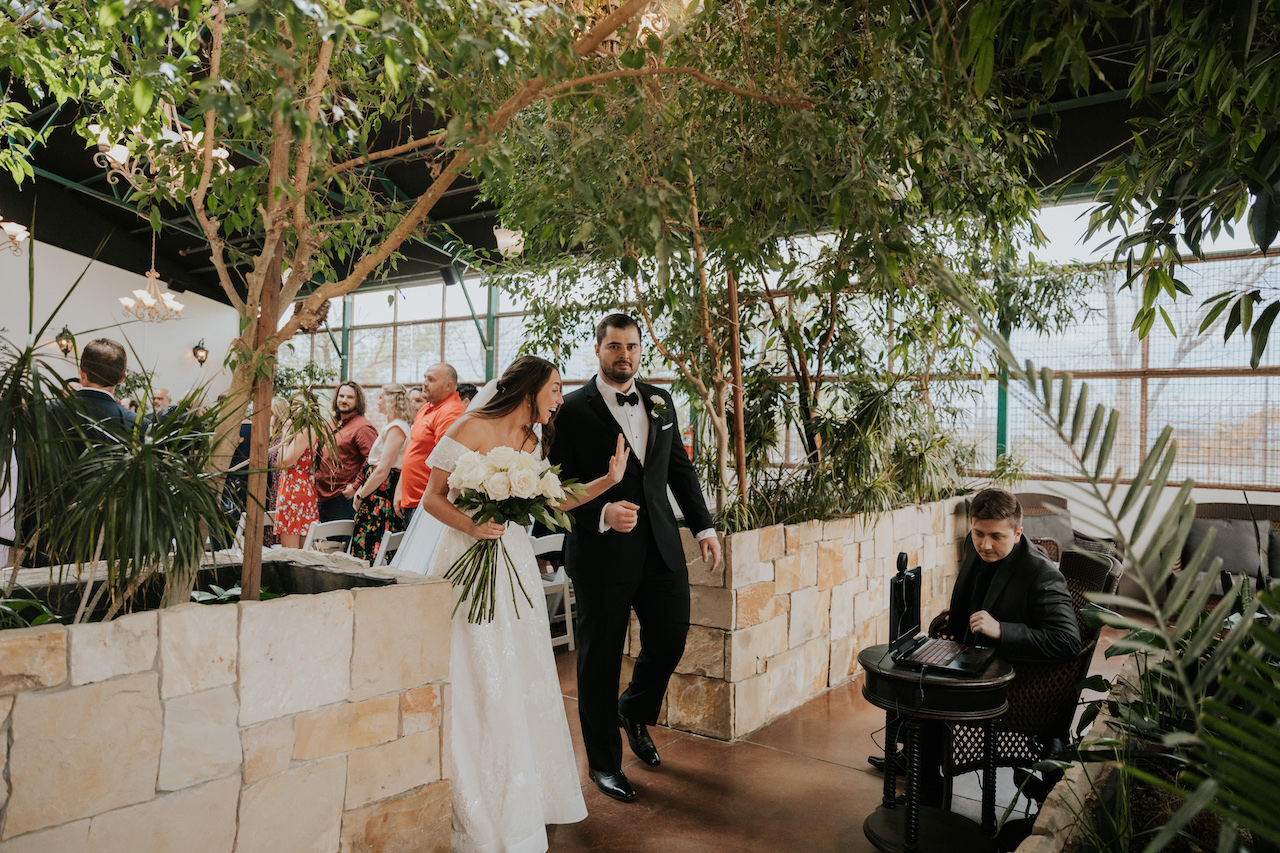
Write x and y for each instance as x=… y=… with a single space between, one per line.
x=585 y=439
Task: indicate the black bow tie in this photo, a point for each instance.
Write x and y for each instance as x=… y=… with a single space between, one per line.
x=632 y=399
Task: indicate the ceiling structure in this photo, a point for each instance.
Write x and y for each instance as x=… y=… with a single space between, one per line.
x=73 y=205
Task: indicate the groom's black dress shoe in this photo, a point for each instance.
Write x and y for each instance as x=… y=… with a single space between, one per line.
x=613 y=785
x=641 y=743
x=899 y=763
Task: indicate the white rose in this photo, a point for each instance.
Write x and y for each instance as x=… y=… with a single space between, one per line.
x=503 y=458
x=470 y=472
x=551 y=488
x=498 y=486
x=528 y=462
x=524 y=483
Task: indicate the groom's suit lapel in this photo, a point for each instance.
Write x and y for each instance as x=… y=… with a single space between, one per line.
x=655 y=424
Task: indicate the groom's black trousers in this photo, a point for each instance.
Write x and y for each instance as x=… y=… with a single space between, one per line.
x=605 y=599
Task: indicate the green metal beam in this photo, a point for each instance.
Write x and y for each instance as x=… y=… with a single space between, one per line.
x=120 y=203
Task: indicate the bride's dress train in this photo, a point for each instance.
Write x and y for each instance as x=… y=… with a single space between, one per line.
x=513 y=765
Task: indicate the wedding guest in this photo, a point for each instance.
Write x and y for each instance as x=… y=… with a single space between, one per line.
x=296 y=504
x=374 y=513
x=416 y=399
x=353 y=437
x=466 y=393
x=279 y=420
x=440 y=387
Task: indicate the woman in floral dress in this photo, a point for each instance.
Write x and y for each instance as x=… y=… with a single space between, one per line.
x=374 y=513
x=296 y=504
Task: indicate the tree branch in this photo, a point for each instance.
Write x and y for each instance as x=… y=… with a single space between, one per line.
x=436 y=138
x=684 y=71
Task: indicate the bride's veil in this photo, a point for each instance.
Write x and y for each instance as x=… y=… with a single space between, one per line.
x=420 y=540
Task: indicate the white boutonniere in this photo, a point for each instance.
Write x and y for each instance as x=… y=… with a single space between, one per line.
x=658 y=407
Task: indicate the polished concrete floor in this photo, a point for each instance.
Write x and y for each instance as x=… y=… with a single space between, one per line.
x=801 y=783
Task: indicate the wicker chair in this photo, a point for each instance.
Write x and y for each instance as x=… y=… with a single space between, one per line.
x=1043 y=697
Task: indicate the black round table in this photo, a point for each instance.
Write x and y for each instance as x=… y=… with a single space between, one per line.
x=909 y=696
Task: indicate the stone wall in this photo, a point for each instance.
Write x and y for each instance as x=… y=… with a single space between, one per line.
x=304 y=723
x=783 y=619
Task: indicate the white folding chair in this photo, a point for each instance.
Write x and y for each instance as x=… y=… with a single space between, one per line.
x=557 y=589
x=321 y=534
x=390 y=542
x=237 y=540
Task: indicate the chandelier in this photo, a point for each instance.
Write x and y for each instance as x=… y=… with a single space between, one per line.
x=150 y=305
x=14 y=235
x=122 y=160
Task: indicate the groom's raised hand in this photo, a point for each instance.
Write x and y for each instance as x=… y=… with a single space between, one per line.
x=621 y=516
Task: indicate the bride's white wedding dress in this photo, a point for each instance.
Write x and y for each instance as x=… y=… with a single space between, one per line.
x=513 y=764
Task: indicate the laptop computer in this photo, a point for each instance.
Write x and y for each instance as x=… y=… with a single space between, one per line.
x=908 y=648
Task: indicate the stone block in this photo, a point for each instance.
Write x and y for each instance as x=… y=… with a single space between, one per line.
x=865 y=608
x=297 y=811
x=102 y=650
x=267 y=749
x=68 y=838
x=749 y=647
x=295 y=654
x=83 y=751
x=700 y=574
x=415 y=823
x=703 y=652
x=882 y=542
x=830 y=563
x=700 y=705
x=788 y=576
x=755 y=604
x=787 y=683
x=393 y=768
x=817 y=663
x=742 y=548
x=197 y=648
x=745 y=568
x=772 y=542
x=343 y=728
x=750 y=705
x=781 y=604
x=446 y=728
x=711 y=607
x=32 y=658
x=401 y=638
x=804 y=533
x=843 y=660
x=420 y=710
x=196 y=820
x=201 y=740
x=824 y=611
x=837 y=529
x=842 y=621
x=804 y=616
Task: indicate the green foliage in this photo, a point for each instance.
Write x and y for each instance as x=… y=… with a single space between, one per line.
x=290 y=380
x=23 y=613
x=136 y=384
x=1206 y=700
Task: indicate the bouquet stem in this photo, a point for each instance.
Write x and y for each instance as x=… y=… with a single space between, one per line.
x=476 y=572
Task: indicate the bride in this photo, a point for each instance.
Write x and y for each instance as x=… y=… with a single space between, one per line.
x=513 y=763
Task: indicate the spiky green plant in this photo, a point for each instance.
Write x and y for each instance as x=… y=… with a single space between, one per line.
x=1214 y=700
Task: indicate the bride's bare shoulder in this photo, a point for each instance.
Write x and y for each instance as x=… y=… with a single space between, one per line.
x=471 y=431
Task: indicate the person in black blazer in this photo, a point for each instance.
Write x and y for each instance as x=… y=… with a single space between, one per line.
x=624 y=549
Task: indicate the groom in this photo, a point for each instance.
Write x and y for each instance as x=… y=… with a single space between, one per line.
x=624 y=549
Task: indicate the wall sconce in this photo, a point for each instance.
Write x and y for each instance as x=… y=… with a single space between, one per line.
x=66 y=341
x=200 y=352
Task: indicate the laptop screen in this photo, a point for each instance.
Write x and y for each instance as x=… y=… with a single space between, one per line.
x=904 y=606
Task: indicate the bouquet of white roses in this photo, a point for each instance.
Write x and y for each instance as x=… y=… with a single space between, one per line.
x=503 y=485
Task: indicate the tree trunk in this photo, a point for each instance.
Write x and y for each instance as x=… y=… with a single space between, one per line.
x=739 y=416
x=259 y=435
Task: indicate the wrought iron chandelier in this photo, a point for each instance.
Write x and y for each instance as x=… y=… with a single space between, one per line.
x=150 y=305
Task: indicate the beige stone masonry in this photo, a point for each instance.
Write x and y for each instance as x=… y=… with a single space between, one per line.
x=699 y=573
x=295 y=655
x=267 y=749
x=396 y=648
x=197 y=648
x=32 y=658
x=830 y=563
x=420 y=710
x=711 y=607
x=418 y=822
x=805 y=622
x=343 y=728
x=744 y=564
x=393 y=768
x=772 y=542
x=102 y=650
x=68 y=838
x=83 y=751
x=750 y=647
x=196 y=820
x=298 y=811
x=703 y=652
x=755 y=604
x=201 y=740
x=700 y=705
x=6 y=705
x=750 y=703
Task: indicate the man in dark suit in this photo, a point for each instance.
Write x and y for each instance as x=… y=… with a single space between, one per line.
x=1008 y=595
x=624 y=550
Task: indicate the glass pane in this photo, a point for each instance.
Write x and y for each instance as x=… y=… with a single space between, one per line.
x=1223 y=427
x=295 y=352
x=368 y=308
x=372 y=356
x=323 y=351
x=581 y=363
x=455 y=300
x=510 y=339
x=463 y=350
x=424 y=302
x=417 y=348
x=508 y=303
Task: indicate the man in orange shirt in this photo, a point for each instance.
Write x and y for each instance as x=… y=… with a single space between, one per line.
x=440 y=388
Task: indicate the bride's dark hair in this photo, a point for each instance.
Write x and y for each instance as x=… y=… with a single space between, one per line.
x=519 y=384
